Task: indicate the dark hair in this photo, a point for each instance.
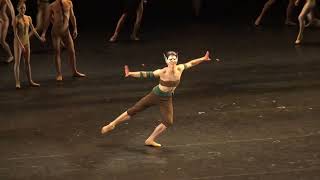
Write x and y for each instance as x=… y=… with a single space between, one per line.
x=20 y=3
x=171 y=53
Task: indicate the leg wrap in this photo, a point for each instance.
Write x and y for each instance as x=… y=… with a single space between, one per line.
x=166 y=110
x=144 y=103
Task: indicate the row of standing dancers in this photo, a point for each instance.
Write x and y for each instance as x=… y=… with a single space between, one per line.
x=58 y=13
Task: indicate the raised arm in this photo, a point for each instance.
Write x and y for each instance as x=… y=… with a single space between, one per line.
x=11 y=11
x=34 y=31
x=196 y=61
x=141 y=74
x=47 y=22
x=73 y=22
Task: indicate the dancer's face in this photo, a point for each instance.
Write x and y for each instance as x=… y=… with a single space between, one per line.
x=172 y=60
x=22 y=9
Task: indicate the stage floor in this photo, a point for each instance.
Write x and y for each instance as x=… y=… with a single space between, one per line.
x=254 y=115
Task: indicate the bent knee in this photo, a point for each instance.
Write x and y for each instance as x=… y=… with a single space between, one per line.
x=168 y=122
x=301 y=17
x=270 y=3
x=3 y=42
x=71 y=51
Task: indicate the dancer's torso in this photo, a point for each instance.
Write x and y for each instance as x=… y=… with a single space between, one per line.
x=23 y=24
x=169 y=81
x=61 y=16
x=43 y=4
x=311 y=2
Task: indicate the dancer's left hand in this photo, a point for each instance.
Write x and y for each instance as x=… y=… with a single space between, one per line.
x=75 y=34
x=42 y=39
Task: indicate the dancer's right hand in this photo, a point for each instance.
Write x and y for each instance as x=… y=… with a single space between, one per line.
x=126 y=71
x=207 y=56
x=22 y=48
x=43 y=37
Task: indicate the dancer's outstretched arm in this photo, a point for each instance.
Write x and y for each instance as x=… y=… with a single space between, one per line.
x=141 y=74
x=196 y=61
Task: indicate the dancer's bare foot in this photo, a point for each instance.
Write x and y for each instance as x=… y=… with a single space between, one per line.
x=308 y=24
x=134 y=38
x=18 y=86
x=59 y=78
x=10 y=59
x=107 y=128
x=152 y=143
x=298 y=42
x=290 y=23
x=78 y=74
x=113 y=38
x=33 y=84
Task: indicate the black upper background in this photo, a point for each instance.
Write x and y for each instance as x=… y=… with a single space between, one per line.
x=103 y=14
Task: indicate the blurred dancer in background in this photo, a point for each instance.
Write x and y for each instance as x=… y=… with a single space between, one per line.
x=269 y=4
x=307 y=13
x=196 y=4
x=131 y=7
x=4 y=25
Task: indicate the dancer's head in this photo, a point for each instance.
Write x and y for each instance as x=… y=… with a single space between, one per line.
x=22 y=7
x=171 y=58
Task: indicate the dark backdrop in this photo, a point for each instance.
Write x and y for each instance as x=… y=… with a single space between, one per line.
x=102 y=14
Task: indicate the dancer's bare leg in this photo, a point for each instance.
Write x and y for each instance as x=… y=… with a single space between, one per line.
x=290 y=9
x=305 y=11
x=72 y=56
x=155 y=134
x=40 y=18
x=26 y=56
x=118 y=28
x=266 y=7
x=17 y=57
x=196 y=7
x=310 y=17
x=4 y=44
x=56 y=41
x=137 y=23
x=123 y=117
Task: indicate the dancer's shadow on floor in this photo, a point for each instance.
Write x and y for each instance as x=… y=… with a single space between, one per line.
x=148 y=150
x=143 y=150
x=309 y=44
